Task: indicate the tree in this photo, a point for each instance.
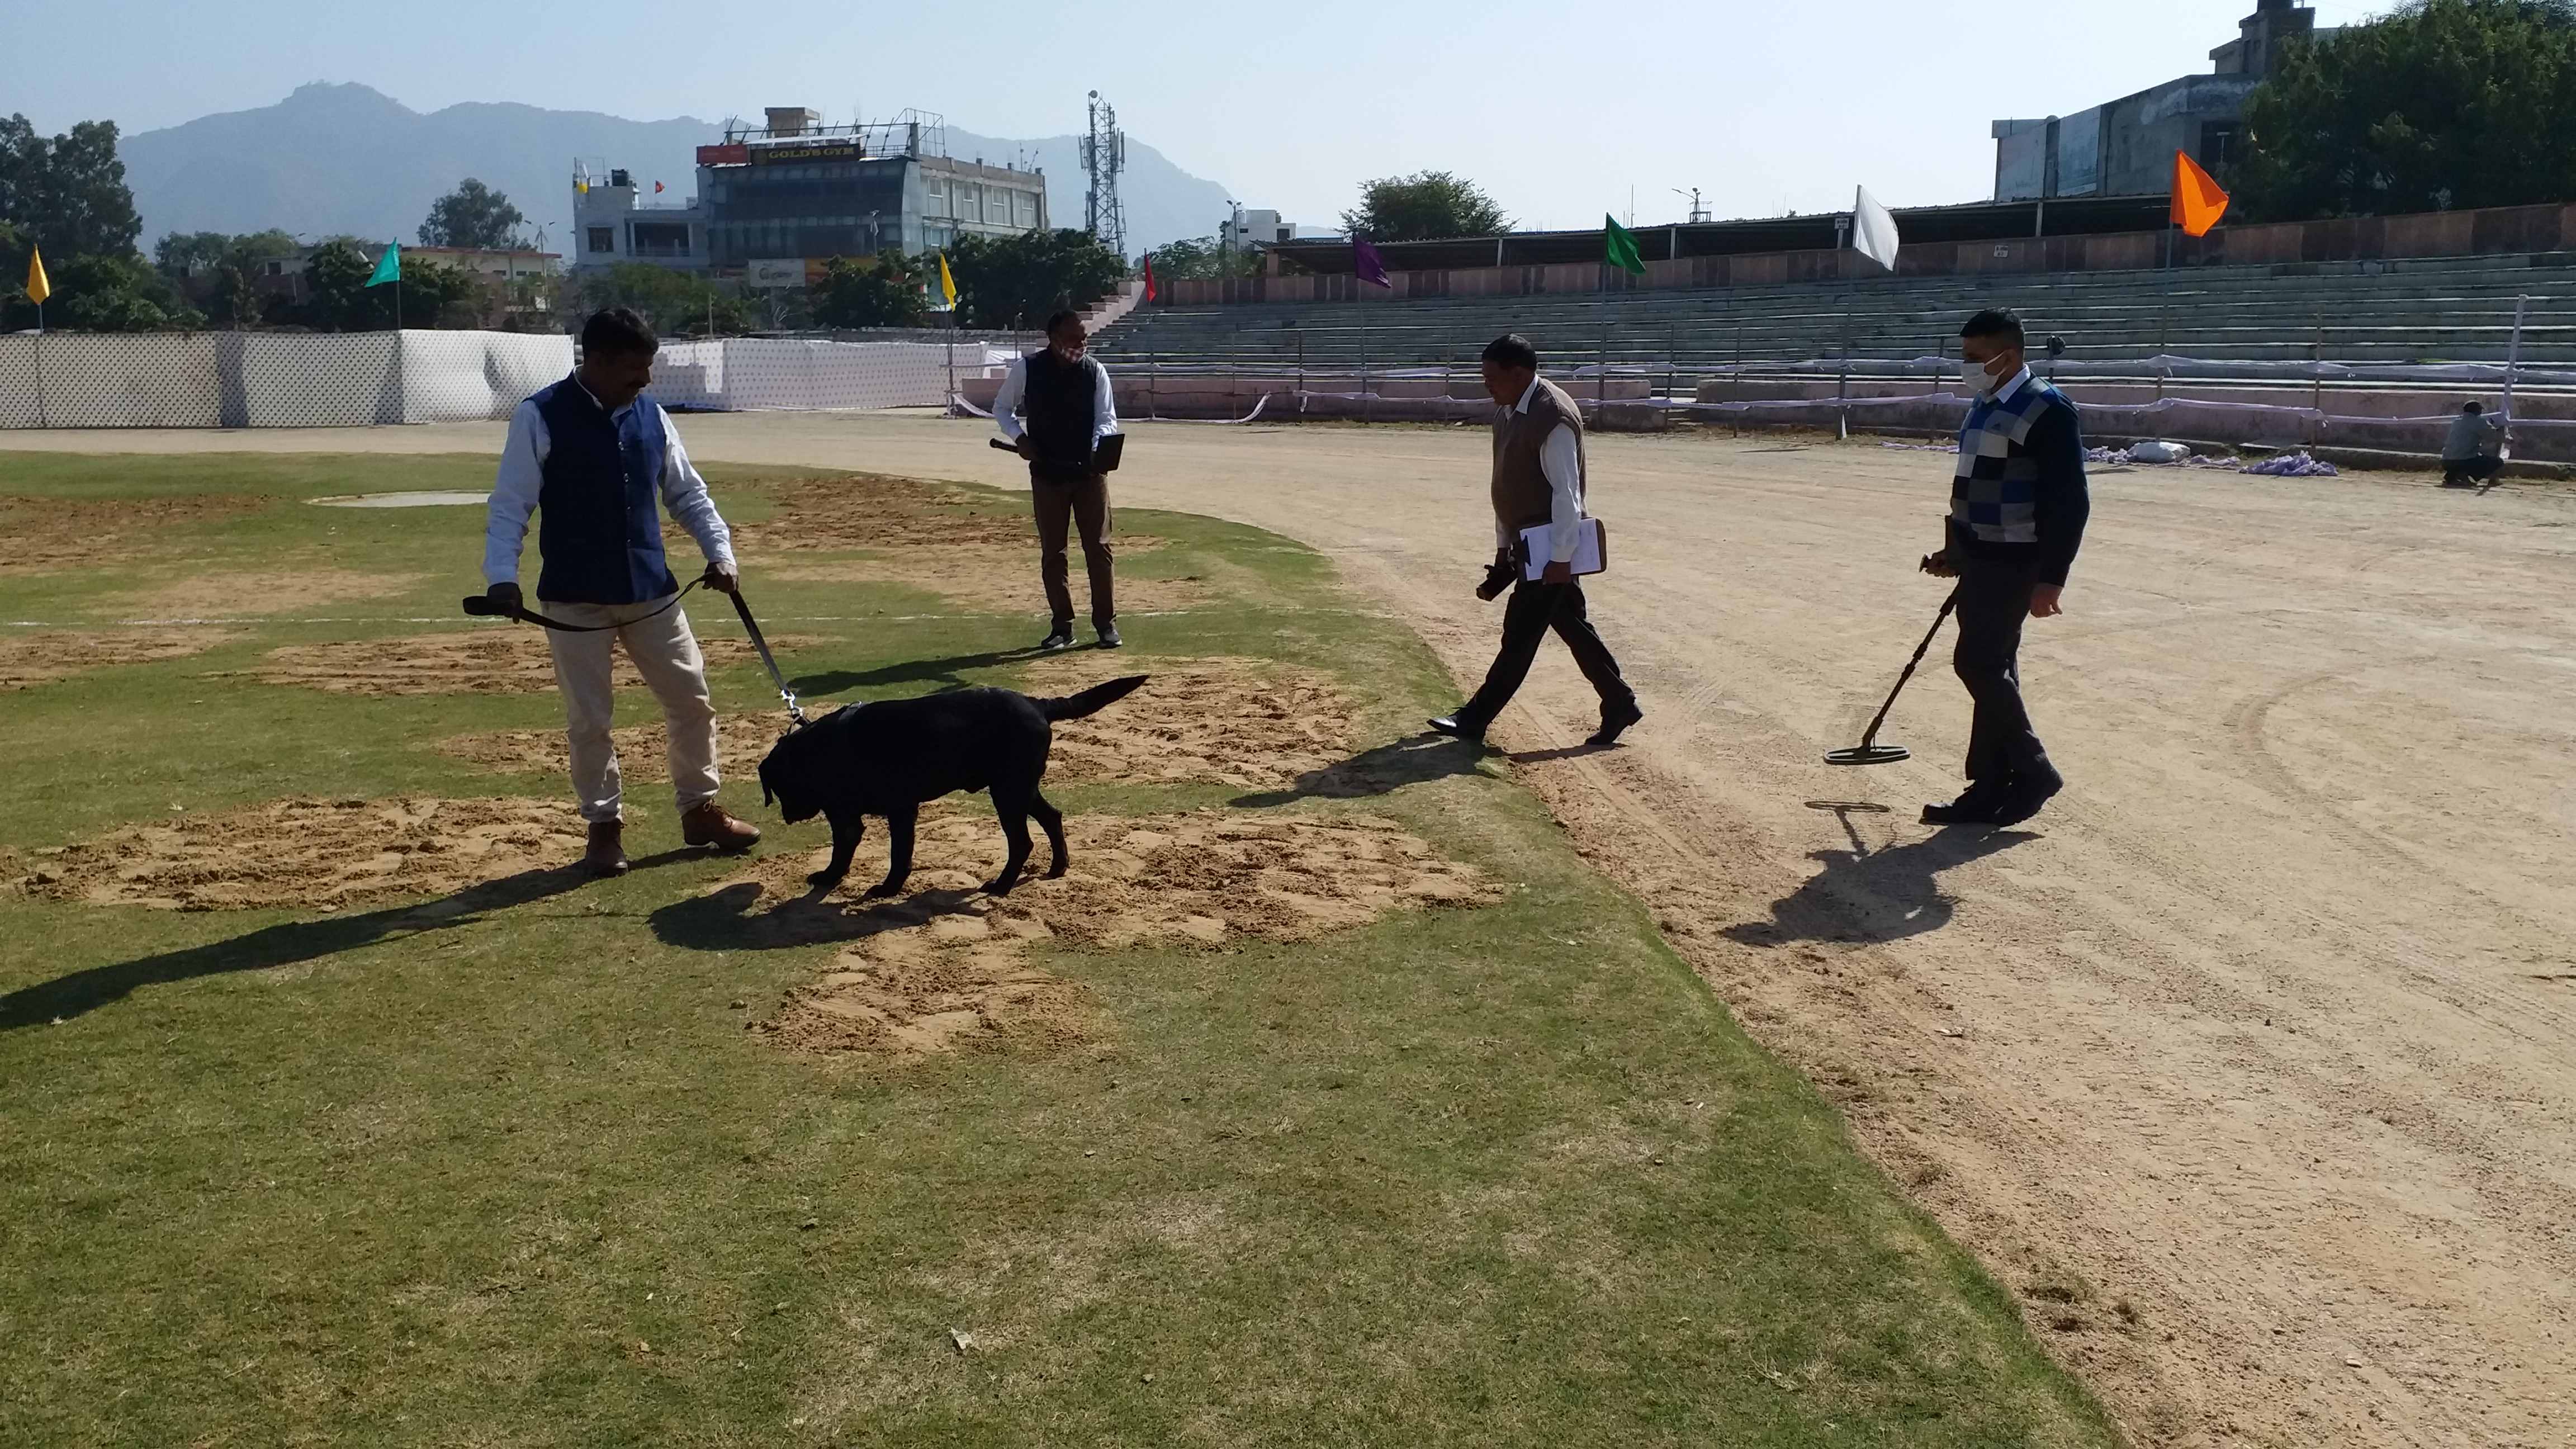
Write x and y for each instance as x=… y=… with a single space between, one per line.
x=1022 y=280
x=886 y=290
x=677 y=303
x=1426 y=206
x=2441 y=104
x=220 y=273
x=474 y=216
x=1203 y=256
x=341 y=301
x=68 y=195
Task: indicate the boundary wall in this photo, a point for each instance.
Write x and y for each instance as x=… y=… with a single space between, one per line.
x=367 y=379
x=270 y=379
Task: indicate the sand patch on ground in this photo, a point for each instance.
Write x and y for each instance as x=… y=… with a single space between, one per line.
x=879 y=512
x=481 y=660
x=242 y=595
x=1005 y=577
x=1243 y=722
x=44 y=535
x=643 y=751
x=945 y=967
x=34 y=656
x=311 y=853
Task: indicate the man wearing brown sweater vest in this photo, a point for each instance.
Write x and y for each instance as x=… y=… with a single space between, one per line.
x=1538 y=482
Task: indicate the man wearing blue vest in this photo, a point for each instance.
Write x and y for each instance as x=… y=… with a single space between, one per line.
x=2017 y=510
x=595 y=459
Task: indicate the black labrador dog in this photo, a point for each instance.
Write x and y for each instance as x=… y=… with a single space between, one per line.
x=888 y=758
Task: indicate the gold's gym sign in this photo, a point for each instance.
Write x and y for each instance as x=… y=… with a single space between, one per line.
x=795 y=155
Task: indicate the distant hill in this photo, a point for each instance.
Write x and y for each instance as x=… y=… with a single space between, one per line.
x=343 y=158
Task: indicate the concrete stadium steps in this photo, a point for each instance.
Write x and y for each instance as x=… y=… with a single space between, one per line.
x=2456 y=309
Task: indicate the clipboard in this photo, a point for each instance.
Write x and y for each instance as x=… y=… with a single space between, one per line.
x=1591 y=550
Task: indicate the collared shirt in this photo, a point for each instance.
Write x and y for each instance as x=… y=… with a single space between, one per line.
x=522 y=477
x=1006 y=403
x=1562 y=464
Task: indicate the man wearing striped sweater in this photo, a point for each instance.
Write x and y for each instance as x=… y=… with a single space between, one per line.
x=2017 y=510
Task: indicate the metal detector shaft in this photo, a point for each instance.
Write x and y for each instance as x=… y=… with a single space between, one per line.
x=1870 y=736
x=751 y=626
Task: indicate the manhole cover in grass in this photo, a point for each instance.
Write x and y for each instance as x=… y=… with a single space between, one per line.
x=452 y=498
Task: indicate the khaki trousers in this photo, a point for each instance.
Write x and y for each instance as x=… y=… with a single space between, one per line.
x=666 y=654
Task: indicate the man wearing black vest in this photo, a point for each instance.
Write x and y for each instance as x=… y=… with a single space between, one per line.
x=1070 y=409
x=595 y=459
x=2017 y=511
x=1538 y=481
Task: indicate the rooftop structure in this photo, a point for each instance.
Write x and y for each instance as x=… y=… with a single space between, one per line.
x=795 y=190
x=2125 y=147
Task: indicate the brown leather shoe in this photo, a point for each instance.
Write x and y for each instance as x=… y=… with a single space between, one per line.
x=707 y=824
x=607 y=852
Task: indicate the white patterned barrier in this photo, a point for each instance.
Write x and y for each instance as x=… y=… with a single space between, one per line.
x=759 y=374
x=270 y=379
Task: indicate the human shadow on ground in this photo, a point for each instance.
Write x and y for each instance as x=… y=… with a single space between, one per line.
x=1876 y=895
x=86 y=990
x=1380 y=771
x=1561 y=752
x=949 y=672
x=729 y=919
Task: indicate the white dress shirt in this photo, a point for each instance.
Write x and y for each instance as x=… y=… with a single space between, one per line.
x=1561 y=461
x=1006 y=403
x=522 y=476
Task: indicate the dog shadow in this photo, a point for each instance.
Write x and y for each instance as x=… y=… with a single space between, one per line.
x=293 y=942
x=1384 y=770
x=1876 y=895
x=949 y=673
x=730 y=919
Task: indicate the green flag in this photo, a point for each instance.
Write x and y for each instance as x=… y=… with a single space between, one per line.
x=389 y=266
x=1620 y=247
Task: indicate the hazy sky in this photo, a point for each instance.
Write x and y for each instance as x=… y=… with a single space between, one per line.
x=1561 y=111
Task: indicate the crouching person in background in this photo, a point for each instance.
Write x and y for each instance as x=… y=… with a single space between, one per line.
x=596 y=460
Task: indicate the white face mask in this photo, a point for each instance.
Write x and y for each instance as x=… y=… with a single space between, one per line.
x=1998 y=370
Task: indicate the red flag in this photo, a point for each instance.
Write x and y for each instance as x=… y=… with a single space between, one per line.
x=1149 y=276
x=2197 y=201
x=657 y=188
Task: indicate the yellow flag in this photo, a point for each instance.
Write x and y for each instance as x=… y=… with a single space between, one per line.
x=947 y=283
x=39 y=287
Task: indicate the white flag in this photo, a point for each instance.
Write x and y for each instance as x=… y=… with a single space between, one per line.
x=1873 y=230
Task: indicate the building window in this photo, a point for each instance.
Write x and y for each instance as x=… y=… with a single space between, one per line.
x=660 y=239
x=2218 y=144
x=603 y=238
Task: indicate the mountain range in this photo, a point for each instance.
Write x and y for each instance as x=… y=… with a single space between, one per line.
x=345 y=159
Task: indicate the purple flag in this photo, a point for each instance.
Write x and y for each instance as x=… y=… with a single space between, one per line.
x=1370 y=266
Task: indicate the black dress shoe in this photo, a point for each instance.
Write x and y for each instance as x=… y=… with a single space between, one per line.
x=1614 y=723
x=1456 y=728
x=1976 y=805
x=2026 y=795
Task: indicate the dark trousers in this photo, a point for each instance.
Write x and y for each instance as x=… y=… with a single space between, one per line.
x=1534 y=609
x=1082 y=503
x=2481 y=467
x=1994 y=600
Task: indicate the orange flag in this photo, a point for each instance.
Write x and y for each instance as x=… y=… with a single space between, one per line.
x=2197 y=201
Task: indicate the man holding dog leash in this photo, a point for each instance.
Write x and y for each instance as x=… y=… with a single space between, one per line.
x=1538 y=484
x=2018 y=506
x=594 y=457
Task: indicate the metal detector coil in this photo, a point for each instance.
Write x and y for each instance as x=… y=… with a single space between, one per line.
x=1869 y=751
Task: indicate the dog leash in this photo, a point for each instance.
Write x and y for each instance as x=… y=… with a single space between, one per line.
x=481 y=606
x=751 y=626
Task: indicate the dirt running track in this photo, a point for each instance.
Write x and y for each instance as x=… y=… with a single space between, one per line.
x=2251 y=1063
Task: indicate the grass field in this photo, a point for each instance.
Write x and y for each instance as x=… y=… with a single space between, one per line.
x=505 y=1166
